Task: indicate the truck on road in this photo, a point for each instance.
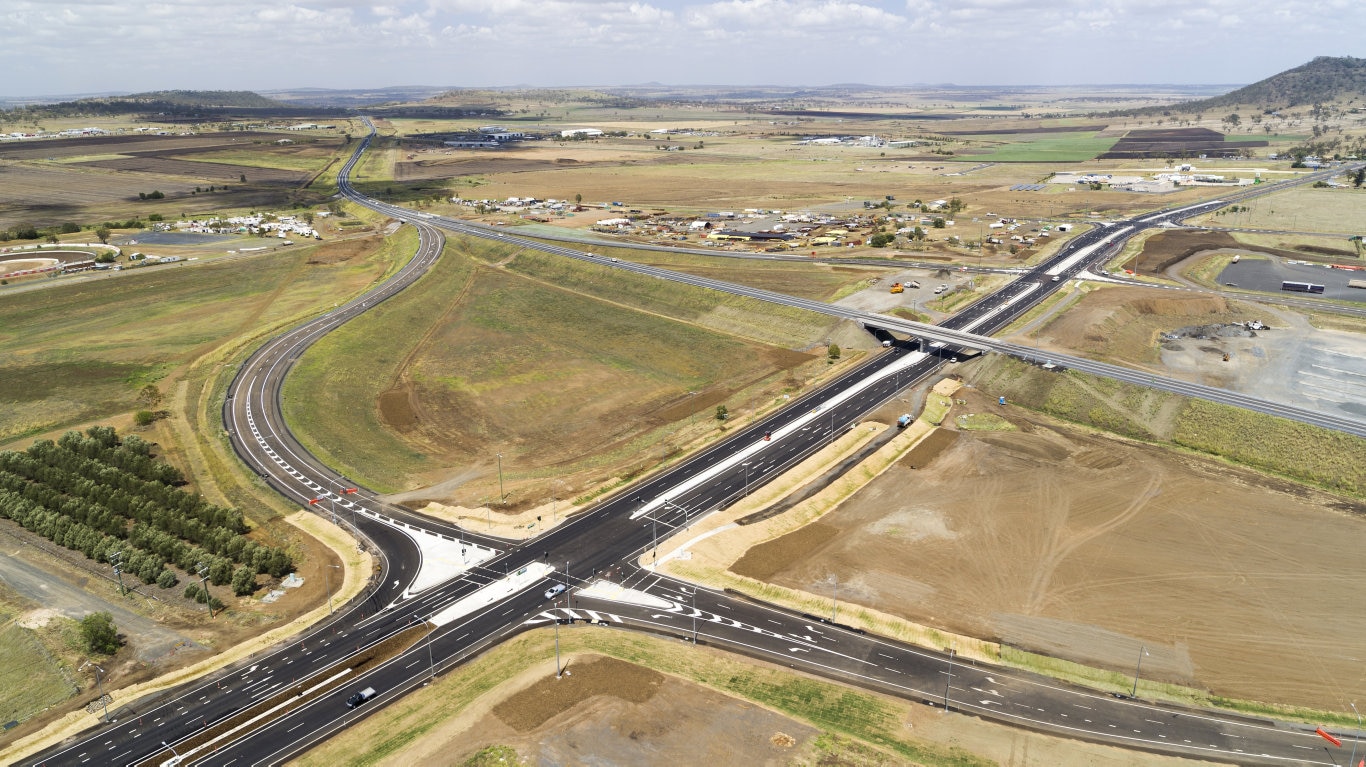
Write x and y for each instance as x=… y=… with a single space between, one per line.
x=360 y=697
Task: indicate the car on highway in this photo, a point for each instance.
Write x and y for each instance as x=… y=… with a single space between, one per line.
x=554 y=591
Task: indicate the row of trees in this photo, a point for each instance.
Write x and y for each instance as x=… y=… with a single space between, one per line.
x=26 y=231
x=97 y=495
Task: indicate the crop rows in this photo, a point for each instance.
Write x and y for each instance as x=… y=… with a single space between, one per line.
x=97 y=495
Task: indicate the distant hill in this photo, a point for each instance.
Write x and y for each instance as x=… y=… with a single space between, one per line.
x=240 y=99
x=1324 y=80
x=185 y=106
x=355 y=97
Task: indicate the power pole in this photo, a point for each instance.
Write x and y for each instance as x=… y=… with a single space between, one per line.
x=116 y=559
x=203 y=571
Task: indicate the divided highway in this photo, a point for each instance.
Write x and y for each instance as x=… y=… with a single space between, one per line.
x=605 y=543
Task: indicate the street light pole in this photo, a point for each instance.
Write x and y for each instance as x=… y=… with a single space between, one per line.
x=431 y=662
x=694 y=615
x=1357 y=739
x=745 y=465
x=834 y=597
x=327 y=571
x=173 y=751
x=557 y=644
x=100 y=682
x=948 y=680
x=501 y=496
x=1142 y=650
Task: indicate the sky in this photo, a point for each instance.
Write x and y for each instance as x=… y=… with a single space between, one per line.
x=89 y=46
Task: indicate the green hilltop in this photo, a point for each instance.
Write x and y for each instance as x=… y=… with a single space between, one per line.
x=1324 y=80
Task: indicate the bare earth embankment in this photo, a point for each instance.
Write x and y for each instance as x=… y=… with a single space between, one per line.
x=1086 y=547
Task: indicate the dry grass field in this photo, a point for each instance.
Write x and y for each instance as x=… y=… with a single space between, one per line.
x=1302 y=210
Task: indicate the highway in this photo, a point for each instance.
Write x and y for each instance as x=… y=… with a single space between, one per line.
x=471 y=591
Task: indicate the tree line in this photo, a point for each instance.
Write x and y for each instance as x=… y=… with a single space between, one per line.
x=98 y=495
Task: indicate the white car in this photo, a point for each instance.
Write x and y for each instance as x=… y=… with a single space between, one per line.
x=554 y=591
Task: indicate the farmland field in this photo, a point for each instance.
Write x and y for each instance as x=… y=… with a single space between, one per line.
x=1040 y=147
x=91 y=180
x=72 y=352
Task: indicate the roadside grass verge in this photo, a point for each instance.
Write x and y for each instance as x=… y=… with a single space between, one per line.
x=1206 y=272
x=737 y=315
x=31 y=679
x=982 y=422
x=1123 y=683
x=868 y=719
x=1310 y=454
x=907 y=313
x=328 y=397
x=1320 y=457
x=813 y=280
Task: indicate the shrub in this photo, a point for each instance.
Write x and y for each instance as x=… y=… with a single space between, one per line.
x=99 y=634
x=167 y=580
x=243 y=581
x=144 y=418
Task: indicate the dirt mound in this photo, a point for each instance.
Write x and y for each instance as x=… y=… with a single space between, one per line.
x=549 y=697
x=1162 y=251
x=342 y=251
x=767 y=559
x=1325 y=251
x=929 y=448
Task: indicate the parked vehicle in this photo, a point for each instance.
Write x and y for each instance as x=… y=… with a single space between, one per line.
x=897 y=288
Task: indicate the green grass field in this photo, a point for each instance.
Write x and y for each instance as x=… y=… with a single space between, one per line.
x=815 y=281
x=1042 y=147
x=311 y=160
x=30 y=678
x=78 y=351
x=536 y=360
x=1309 y=454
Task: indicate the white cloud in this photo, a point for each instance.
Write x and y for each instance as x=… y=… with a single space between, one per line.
x=90 y=45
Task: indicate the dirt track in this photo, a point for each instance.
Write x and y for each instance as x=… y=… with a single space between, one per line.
x=1086 y=547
